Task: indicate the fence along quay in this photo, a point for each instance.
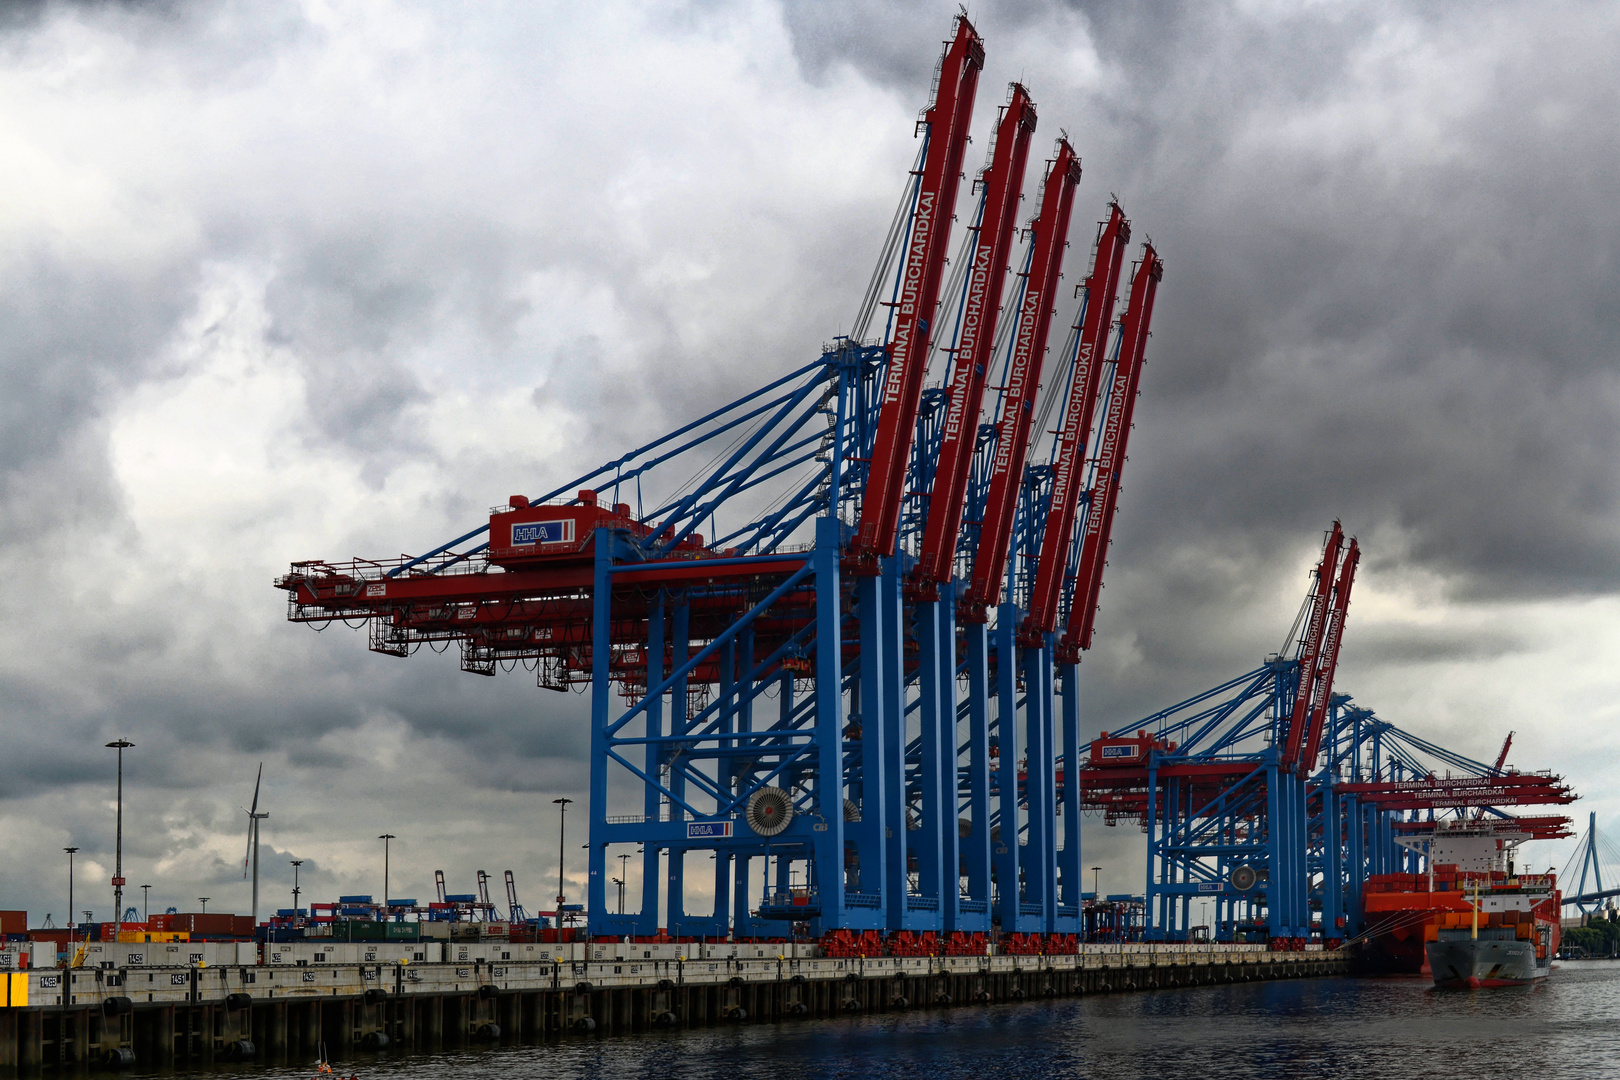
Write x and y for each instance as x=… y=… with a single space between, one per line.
x=284 y=1012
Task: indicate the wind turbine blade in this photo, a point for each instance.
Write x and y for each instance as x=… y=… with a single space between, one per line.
x=256 y=782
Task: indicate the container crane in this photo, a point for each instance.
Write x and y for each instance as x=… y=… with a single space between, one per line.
x=1112 y=444
x=1310 y=654
x=514 y=910
x=912 y=323
x=1050 y=232
x=1322 y=685
x=1078 y=416
x=1003 y=181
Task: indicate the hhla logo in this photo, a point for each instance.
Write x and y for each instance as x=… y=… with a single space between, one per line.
x=542 y=532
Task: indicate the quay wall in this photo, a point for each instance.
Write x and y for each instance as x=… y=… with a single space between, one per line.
x=158 y=1015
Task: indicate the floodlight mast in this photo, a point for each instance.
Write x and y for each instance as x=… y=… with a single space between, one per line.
x=118 y=866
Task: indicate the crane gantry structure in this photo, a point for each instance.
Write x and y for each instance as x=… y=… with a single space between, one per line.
x=858 y=694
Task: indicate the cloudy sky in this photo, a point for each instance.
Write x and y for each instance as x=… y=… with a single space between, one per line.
x=287 y=279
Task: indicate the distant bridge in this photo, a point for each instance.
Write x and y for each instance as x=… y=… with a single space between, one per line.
x=1595 y=852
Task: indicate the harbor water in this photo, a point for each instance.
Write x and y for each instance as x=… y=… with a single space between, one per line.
x=1566 y=1026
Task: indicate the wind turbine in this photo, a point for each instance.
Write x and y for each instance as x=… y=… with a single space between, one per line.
x=252 y=856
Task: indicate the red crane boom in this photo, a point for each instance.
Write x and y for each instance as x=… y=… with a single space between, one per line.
x=1003 y=184
x=1111 y=446
x=1322 y=687
x=1496 y=770
x=947 y=121
x=1311 y=650
x=1018 y=405
x=1101 y=288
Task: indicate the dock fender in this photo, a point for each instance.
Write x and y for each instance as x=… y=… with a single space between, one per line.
x=117 y=1006
x=485 y=992
x=375 y=1040
x=582 y=988
x=241 y=1050
x=238 y=1002
x=375 y=995
x=120 y=1057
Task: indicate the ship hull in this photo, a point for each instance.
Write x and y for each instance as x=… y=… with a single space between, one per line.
x=1388 y=954
x=1478 y=963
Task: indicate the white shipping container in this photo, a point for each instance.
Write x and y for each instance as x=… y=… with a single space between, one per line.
x=124 y=954
x=627 y=951
x=564 y=952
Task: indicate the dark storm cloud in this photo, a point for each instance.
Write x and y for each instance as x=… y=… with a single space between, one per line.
x=1392 y=245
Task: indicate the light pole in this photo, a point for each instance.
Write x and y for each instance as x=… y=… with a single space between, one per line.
x=562 y=852
x=620 y=883
x=118 y=859
x=70 y=851
x=146 y=910
x=296 y=863
x=624 y=875
x=1095 y=893
x=203 y=900
x=385 y=837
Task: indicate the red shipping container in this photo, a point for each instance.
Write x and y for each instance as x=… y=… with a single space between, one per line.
x=209 y=923
x=13 y=922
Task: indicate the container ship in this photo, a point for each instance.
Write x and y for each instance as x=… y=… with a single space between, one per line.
x=1470 y=920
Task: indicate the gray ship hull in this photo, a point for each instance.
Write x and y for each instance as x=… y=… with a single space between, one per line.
x=1470 y=963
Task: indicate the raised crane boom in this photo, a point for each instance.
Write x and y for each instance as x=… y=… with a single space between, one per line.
x=1051 y=230
x=1311 y=647
x=947 y=123
x=1111 y=447
x=1322 y=687
x=1101 y=287
x=1003 y=182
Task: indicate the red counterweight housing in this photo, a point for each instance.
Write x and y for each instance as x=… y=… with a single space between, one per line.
x=1127 y=752
x=525 y=534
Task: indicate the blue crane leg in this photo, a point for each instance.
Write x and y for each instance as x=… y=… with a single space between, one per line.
x=1006 y=778
x=976 y=845
x=1069 y=860
x=829 y=705
x=872 y=847
x=927 y=843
